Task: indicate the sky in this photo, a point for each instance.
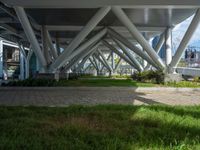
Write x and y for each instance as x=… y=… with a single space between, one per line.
x=179 y=31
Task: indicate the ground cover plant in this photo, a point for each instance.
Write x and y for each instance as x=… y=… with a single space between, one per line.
x=112 y=127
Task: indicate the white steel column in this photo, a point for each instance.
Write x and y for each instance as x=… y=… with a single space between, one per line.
x=22 y=60
x=129 y=55
x=88 y=51
x=186 y=39
x=61 y=60
x=30 y=34
x=119 y=54
x=105 y=61
x=157 y=48
x=132 y=47
x=137 y=35
x=45 y=45
x=1 y=59
x=168 y=46
x=51 y=46
x=85 y=45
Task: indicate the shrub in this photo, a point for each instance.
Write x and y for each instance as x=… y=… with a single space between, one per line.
x=149 y=76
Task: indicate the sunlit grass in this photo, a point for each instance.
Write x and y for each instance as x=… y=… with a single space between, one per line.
x=100 y=127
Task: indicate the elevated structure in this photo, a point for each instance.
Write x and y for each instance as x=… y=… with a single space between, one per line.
x=64 y=34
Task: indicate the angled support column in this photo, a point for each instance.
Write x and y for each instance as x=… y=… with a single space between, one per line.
x=157 y=48
x=45 y=45
x=132 y=47
x=95 y=66
x=186 y=39
x=100 y=60
x=119 y=53
x=95 y=61
x=52 y=48
x=61 y=60
x=90 y=51
x=118 y=64
x=57 y=45
x=30 y=35
x=137 y=35
x=105 y=61
x=83 y=61
x=168 y=46
x=85 y=45
x=129 y=55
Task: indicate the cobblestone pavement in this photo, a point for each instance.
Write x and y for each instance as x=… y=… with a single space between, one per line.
x=61 y=96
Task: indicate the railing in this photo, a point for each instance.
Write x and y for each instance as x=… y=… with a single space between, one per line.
x=188 y=71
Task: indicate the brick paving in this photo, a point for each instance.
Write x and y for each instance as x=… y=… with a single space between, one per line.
x=62 y=96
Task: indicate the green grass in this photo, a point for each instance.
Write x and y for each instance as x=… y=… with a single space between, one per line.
x=100 y=127
x=105 y=83
x=188 y=84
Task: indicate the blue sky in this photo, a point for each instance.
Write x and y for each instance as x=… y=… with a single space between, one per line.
x=179 y=31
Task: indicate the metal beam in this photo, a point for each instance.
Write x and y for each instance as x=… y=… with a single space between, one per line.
x=168 y=46
x=118 y=53
x=88 y=51
x=30 y=34
x=61 y=60
x=45 y=45
x=80 y=49
x=118 y=64
x=117 y=28
x=51 y=46
x=132 y=47
x=186 y=39
x=157 y=48
x=137 y=35
x=129 y=55
x=105 y=61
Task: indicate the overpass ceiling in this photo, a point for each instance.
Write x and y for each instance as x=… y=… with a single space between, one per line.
x=140 y=17
x=100 y=3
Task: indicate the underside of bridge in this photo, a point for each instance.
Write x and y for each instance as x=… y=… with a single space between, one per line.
x=73 y=35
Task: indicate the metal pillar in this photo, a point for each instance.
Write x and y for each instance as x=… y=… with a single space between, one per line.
x=136 y=34
x=1 y=59
x=57 y=44
x=80 y=49
x=45 y=45
x=118 y=64
x=119 y=53
x=188 y=35
x=61 y=60
x=22 y=60
x=129 y=55
x=157 y=48
x=168 y=46
x=105 y=61
x=113 y=60
x=83 y=61
x=95 y=66
x=88 y=51
x=132 y=47
x=51 y=46
x=30 y=34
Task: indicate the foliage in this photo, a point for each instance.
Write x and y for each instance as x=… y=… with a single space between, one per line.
x=121 y=127
x=188 y=84
x=149 y=76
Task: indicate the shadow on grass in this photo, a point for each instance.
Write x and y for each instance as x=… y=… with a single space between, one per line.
x=97 y=127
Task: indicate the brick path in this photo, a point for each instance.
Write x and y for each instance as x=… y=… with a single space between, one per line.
x=61 y=96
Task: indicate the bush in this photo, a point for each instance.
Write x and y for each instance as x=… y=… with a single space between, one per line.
x=149 y=76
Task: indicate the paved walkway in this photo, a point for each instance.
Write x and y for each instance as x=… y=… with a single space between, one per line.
x=61 y=96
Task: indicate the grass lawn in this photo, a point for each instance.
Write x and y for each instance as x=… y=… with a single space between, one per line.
x=100 y=127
